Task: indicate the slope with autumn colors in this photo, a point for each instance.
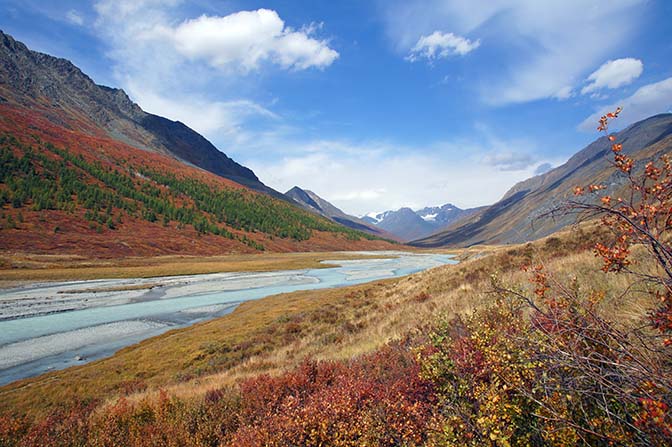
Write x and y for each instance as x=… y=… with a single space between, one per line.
x=87 y=172
x=521 y=215
x=67 y=97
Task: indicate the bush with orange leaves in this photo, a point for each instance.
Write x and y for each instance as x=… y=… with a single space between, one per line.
x=543 y=366
x=479 y=366
x=640 y=217
x=375 y=400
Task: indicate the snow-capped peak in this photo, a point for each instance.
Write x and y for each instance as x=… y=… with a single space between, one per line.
x=429 y=217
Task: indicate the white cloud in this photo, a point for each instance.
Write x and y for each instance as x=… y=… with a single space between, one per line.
x=648 y=100
x=537 y=49
x=74 y=17
x=366 y=194
x=613 y=74
x=441 y=45
x=173 y=67
x=247 y=38
x=366 y=176
x=565 y=92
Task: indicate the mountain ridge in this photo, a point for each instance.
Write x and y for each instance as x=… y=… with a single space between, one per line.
x=86 y=172
x=61 y=88
x=517 y=216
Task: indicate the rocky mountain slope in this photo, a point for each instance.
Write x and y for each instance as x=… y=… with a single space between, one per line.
x=409 y=225
x=517 y=217
x=66 y=96
x=314 y=203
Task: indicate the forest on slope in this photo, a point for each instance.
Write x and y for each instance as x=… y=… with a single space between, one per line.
x=65 y=192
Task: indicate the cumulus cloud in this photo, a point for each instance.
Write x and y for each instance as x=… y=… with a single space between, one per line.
x=247 y=38
x=613 y=74
x=440 y=45
x=173 y=66
x=537 y=49
x=648 y=100
x=241 y=40
x=74 y=17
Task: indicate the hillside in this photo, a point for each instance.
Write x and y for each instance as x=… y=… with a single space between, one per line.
x=69 y=98
x=87 y=172
x=517 y=217
x=314 y=203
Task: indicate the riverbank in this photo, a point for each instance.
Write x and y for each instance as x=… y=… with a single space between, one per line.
x=23 y=268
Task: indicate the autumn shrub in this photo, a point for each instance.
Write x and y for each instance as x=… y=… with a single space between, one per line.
x=478 y=365
x=12 y=430
x=544 y=365
x=64 y=427
x=379 y=399
x=167 y=421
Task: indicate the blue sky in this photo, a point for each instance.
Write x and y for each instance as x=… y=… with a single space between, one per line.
x=374 y=105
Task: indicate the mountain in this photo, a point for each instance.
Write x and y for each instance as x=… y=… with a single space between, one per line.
x=442 y=216
x=314 y=203
x=66 y=96
x=409 y=225
x=87 y=172
x=404 y=223
x=517 y=217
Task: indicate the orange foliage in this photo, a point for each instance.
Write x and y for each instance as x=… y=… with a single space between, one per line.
x=54 y=231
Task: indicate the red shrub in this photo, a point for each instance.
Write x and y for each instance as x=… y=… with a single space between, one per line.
x=378 y=399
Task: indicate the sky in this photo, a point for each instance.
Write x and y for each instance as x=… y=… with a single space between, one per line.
x=376 y=104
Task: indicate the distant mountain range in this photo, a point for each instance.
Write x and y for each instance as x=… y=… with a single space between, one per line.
x=86 y=171
x=517 y=217
x=409 y=225
x=314 y=203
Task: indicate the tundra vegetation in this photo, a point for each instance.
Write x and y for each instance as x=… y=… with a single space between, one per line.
x=54 y=178
x=565 y=341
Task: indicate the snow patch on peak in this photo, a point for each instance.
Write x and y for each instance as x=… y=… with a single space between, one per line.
x=429 y=217
x=375 y=216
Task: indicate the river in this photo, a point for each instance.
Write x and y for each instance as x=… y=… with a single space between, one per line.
x=50 y=326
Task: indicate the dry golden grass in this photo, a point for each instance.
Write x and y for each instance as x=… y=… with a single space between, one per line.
x=17 y=268
x=276 y=333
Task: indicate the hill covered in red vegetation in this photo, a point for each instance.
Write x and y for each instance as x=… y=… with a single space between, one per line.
x=85 y=171
x=67 y=191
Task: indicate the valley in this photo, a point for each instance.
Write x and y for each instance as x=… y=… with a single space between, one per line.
x=446 y=267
